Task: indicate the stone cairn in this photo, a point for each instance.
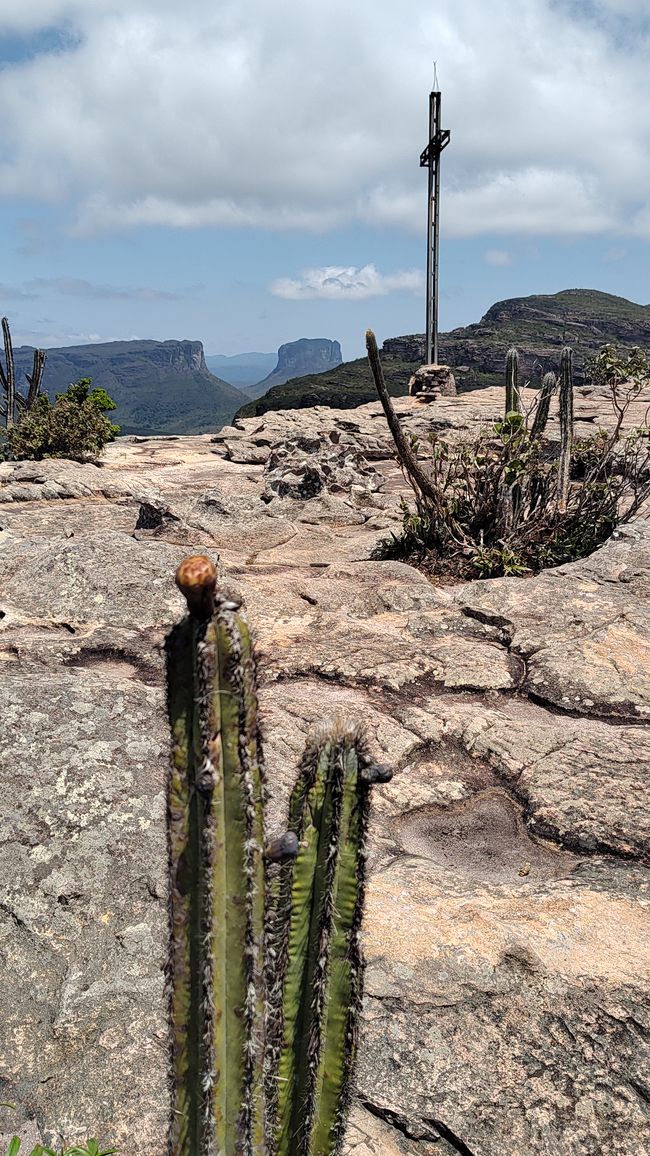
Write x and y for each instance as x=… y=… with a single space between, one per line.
x=432 y=381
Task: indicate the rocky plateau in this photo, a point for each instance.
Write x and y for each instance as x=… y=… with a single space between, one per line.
x=507 y=931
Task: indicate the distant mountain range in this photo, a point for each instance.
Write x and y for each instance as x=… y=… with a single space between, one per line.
x=308 y=355
x=159 y=386
x=167 y=387
x=538 y=326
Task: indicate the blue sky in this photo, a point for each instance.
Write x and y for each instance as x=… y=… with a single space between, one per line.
x=248 y=174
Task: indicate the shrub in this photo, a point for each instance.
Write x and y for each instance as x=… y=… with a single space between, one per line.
x=504 y=501
x=73 y=426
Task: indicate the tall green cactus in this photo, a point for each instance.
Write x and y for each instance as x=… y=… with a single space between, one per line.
x=316 y=994
x=549 y=382
x=566 y=426
x=216 y=837
x=264 y=972
x=513 y=400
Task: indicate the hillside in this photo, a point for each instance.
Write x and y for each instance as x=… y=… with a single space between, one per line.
x=538 y=326
x=161 y=387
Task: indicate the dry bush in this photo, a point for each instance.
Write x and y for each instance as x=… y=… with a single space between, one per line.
x=504 y=501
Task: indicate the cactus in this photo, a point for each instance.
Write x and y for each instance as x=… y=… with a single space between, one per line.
x=566 y=426
x=316 y=996
x=425 y=491
x=13 y=399
x=549 y=382
x=513 y=400
x=264 y=974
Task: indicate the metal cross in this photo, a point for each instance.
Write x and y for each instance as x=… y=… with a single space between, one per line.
x=430 y=158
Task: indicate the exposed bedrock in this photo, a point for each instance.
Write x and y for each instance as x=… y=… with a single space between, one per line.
x=507 y=1003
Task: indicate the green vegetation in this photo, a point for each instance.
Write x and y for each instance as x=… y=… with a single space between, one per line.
x=501 y=502
x=265 y=967
x=74 y=426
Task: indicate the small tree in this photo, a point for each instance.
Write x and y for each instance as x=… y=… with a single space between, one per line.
x=73 y=426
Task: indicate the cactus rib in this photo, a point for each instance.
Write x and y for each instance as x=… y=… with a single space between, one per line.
x=319 y=969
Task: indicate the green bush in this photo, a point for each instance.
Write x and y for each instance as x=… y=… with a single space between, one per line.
x=73 y=426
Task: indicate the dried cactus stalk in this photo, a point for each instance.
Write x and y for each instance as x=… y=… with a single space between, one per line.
x=513 y=400
x=8 y=375
x=566 y=427
x=423 y=488
x=35 y=378
x=13 y=400
x=217 y=1003
x=317 y=992
x=544 y=396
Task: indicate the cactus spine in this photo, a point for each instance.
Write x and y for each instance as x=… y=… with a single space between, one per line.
x=513 y=400
x=566 y=426
x=549 y=382
x=264 y=973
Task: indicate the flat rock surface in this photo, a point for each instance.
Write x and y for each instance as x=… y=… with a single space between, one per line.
x=507 y=1005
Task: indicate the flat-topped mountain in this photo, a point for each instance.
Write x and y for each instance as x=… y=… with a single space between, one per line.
x=254 y=373
x=308 y=355
x=162 y=387
x=538 y=326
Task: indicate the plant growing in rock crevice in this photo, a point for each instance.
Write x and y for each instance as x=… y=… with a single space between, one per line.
x=265 y=967
x=502 y=502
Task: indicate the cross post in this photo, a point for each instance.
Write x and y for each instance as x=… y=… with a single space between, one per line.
x=430 y=158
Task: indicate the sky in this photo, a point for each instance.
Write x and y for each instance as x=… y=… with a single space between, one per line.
x=248 y=174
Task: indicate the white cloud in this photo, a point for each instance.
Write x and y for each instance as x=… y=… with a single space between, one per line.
x=289 y=115
x=533 y=200
x=336 y=282
x=497 y=257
